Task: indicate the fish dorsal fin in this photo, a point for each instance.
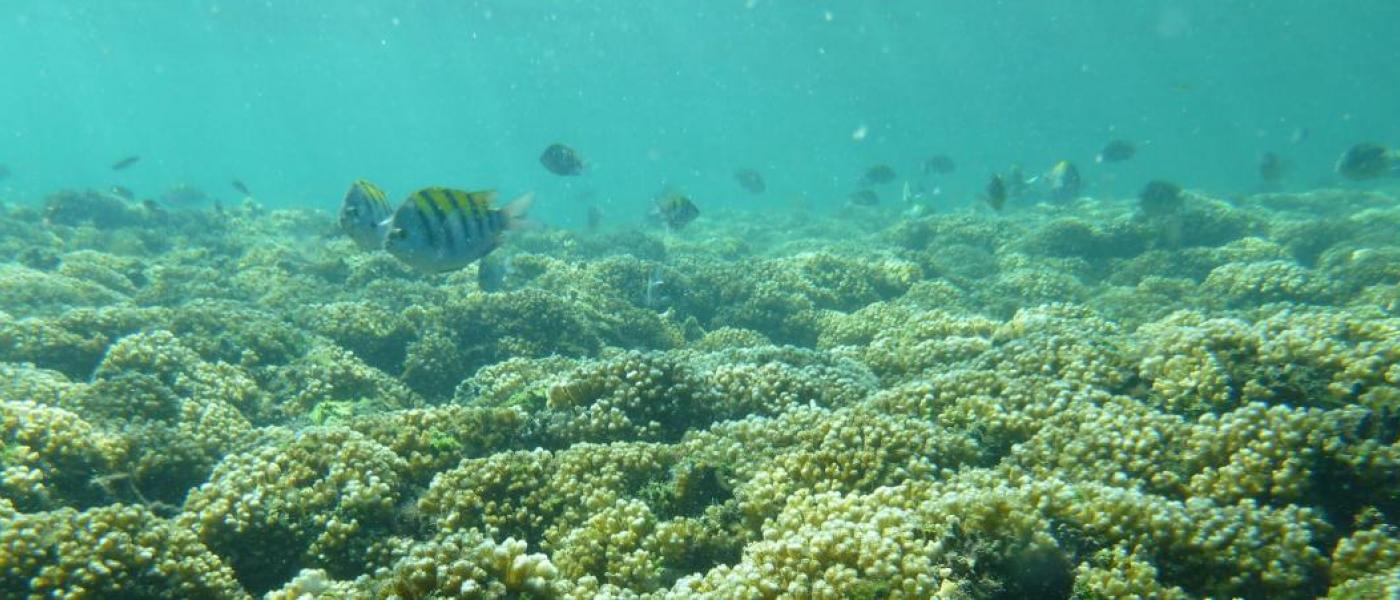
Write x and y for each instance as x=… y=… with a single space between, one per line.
x=367 y=188
x=425 y=197
x=439 y=199
x=481 y=200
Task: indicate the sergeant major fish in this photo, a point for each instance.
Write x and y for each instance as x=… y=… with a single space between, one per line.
x=364 y=215
x=440 y=229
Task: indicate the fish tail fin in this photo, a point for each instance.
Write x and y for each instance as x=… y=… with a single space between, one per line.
x=516 y=209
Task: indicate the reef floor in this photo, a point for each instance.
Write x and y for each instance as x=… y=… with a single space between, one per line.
x=1069 y=401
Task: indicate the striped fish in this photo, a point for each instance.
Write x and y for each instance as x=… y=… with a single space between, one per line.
x=364 y=215
x=440 y=229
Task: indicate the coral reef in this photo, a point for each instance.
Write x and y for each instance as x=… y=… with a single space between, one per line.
x=1058 y=401
x=109 y=552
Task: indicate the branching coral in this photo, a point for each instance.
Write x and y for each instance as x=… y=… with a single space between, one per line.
x=1058 y=401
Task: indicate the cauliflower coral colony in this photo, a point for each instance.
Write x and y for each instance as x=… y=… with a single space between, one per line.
x=1067 y=401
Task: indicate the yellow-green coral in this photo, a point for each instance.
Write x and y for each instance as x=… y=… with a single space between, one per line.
x=316 y=500
x=110 y=552
x=1060 y=401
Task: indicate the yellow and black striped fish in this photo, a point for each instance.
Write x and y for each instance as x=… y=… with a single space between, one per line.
x=440 y=229
x=364 y=214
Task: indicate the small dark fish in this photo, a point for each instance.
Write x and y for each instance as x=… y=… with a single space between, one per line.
x=1271 y=167
x=125 y=162
x=595 y=217
x=562 y=160
x=1015 y=182
x=996 y=193
x=878 y=174
x=242 y=189
x=1160 y=198
x=122 y=192
x=940 y=164
x=1064 y=181
x=491 y=273
x=750 y=180
x=1366 y=160
x=1116 y=151
x=675 y=211
x=864 y=198
x=440 y=229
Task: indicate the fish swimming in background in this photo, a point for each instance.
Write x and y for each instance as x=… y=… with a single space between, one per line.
x=440 y=229
x=878 y=174
x=939 y=164
x=125 y=162
x=1367 y=160
x=491 y=273
x=241 y=188
x=674 y=211
x=1116 y=151
x=650 y=297
x=1160 y=198
x=1271 y=167
x=562 y=160
x=864 y=198
x=750 y=180
x=364 y=215
x=1015 y=183
x=595 y=217
x=1063 y=180
x=4 y=172
x=995 y=193
x=122 y=192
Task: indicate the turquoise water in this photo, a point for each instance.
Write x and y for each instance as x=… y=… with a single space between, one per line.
x=1182 y=389
x=296 y=98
